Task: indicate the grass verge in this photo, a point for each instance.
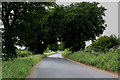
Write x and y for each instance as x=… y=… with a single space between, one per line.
x=19 y=67
x=0 y=69
x=50 y=53
x=108 y=61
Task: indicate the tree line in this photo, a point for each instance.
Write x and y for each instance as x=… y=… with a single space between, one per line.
x=37 y=25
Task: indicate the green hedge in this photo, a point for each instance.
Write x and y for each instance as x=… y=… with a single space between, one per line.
x=19 y=67
x=108 y=61
x=104 y=43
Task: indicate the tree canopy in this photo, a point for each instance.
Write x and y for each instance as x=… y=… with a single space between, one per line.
x=22 y=24
x=76 y=23
x=37 y=25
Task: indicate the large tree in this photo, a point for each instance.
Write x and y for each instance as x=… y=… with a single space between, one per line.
x=76 y=23
x=35 y=25
x=22 y=24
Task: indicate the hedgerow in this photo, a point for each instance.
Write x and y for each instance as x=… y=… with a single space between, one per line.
x=104 y=43
x=108 y=61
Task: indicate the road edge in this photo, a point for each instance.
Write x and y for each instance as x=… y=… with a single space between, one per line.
x=34 y=69
x=95 y=68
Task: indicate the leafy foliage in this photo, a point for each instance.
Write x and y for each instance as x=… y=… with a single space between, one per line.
x=23 y=53
x=50 y=53
x=66 y=52
x=53 y=47
x=22 y=26
x=47 y=50
x=61 y=46
x=74 y=24
x=37 y=25
x=105 y=43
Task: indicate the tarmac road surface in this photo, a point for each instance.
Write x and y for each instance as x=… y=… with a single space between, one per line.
x=55 y=66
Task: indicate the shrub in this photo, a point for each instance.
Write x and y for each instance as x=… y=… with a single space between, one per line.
x=23 y=53
x=66 y=52
x=47 y=50
x=104 y=43
x=61 y=46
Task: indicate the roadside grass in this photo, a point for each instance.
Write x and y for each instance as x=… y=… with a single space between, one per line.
x=0 y=69
x=108 y=61
x=50 y=53
x=20 y=67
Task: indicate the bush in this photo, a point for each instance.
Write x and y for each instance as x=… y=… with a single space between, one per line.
x=47 y=50
x=23 y=53
x=66 y=52
x=104 y=43
x=61 y=46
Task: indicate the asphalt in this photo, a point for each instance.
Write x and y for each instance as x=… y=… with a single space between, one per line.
x=55 y=66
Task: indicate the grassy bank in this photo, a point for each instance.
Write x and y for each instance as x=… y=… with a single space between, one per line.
x=19 y=67
x=0 y=69
x=108 y=61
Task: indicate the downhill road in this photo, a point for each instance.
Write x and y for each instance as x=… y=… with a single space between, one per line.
x=55 y=66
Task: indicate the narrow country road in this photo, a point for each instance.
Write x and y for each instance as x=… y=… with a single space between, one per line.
x=55 y=66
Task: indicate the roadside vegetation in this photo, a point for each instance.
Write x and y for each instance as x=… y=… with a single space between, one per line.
x=42 y=25
x=102 y=53
x=0 y=69
x=21 y=66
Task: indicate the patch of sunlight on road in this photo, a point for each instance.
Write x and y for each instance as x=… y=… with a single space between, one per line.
x=58 y=55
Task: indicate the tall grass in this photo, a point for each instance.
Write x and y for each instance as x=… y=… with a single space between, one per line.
x=19 y=67
x=0 y=69
x=108 y=61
